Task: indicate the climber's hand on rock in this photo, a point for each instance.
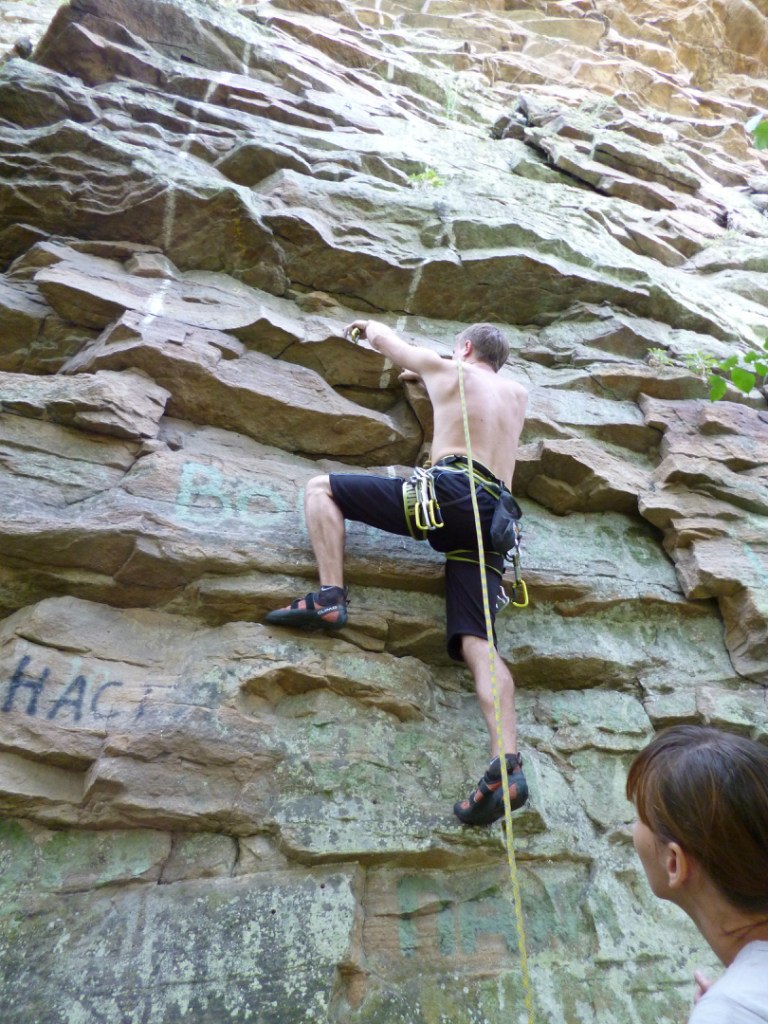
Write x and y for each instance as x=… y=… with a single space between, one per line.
x=356 y=326
x=370 y=331
x=410 y=376
x=356 y=330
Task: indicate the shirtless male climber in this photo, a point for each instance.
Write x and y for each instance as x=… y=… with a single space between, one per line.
x=496 y=412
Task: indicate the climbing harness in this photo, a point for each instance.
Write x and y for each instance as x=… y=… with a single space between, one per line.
x=506 y=530
x=423 y=513
x=509 y=834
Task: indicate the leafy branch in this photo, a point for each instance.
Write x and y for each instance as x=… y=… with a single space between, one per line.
x=757 y=127
x=744 y=370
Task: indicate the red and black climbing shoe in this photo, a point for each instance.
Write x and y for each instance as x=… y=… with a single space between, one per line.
x=485 y=804
x=325 y=609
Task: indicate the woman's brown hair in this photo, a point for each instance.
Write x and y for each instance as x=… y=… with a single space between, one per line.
x=708 y=791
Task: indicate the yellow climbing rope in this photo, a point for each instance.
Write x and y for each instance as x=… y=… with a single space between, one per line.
x=509 y=833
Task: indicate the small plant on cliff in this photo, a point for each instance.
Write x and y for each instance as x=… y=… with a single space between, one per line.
x=428 y=176
x=757 y=127
x=695 y=362
x=744 y=370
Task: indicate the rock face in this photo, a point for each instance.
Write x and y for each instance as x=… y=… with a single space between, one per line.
x=208 y=819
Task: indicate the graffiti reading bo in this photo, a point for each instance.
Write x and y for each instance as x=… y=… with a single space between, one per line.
x=32 y=693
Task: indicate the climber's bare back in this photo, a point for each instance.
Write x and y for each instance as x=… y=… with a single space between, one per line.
x=496 y=412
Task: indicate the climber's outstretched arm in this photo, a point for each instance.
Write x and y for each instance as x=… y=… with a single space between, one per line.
x=411 y=357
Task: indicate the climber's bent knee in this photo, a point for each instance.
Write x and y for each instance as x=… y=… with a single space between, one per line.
x=318 y=485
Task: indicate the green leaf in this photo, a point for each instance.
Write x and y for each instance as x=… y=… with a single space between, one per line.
x=761 y=368
x=743 y=379
x=717 y=387
x=750 y=357
x=753 y=122
x=729 y=363
x=760 y=135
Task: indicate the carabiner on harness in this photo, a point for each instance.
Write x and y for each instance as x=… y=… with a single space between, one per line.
x=513 y=555
x=510 y=533
x=426 y=511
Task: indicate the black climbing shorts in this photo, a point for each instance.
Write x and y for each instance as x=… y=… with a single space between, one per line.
x=378 y=502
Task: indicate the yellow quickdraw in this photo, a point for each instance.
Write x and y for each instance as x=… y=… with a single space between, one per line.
x=426 y=515
x=509 y=834
x=524 y=602
x=420 y=502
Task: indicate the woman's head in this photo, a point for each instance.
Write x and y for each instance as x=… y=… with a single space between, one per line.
x=707 y=791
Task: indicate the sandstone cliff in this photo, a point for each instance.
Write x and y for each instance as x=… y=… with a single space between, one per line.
x=209 y=820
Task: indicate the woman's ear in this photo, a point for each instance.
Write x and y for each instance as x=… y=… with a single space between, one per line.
x=677 y=865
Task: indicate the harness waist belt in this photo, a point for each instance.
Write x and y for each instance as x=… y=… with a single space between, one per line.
x=481 y=471
x=423 y=513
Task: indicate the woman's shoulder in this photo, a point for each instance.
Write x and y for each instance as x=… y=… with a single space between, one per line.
x=758 y=949
x=751 y=960
x=740 y=995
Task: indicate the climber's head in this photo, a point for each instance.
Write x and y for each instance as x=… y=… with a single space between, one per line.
x=487 y=344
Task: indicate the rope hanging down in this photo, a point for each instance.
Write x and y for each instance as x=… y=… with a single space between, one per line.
x=509 y=834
